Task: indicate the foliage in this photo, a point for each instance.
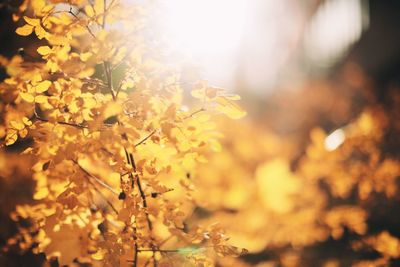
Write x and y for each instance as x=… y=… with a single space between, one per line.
x=332 y=206
x=113 y=144
x=125 y=173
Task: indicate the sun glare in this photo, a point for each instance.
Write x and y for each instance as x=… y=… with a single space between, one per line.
x=334 y=140
x=205 y=28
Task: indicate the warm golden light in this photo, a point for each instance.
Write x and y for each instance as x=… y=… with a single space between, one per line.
x=334 y=140
x=205 y=28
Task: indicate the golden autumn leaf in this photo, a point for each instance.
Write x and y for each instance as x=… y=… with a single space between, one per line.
x=38 y=6
x=42 y=86
x=85 y=56
x=40 y=99
x=24 y=30
x=89 y=11
x=27 y=97
x=17 y=125
x=44 y=50
x=40 y=32
x=11 y=137
x=26 y=121
x=32 y=21
x=111 y=146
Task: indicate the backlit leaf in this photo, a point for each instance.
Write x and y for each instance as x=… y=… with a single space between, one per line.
x=11 y=137
x=44 y=50
x=27 y=97
x=17 y=125
x=40 y=99
x=24 y=30
x=40 y=32
x=42 y=86
x=31 y=21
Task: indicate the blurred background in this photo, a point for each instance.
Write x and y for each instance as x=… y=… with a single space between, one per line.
x=311 y=176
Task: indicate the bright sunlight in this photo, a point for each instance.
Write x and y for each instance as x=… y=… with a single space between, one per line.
x=205 y=28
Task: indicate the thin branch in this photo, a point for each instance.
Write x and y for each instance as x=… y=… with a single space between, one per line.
x=194 y=113
x=118 y=89
x=103 y=196
x=80 y=126
x=145 y=139
x=96 y=189
x=99 y=181
x=129 y=157
x=109 y=79
x=109 y=6
x=136 y=248
x=160 y=250
x=87 y=26
x=76 y=125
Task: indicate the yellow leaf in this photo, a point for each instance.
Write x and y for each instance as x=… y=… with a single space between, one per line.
x=40 y=32
x=17 y=125
x=36 y=79
x=40 y=99
x=44 y=50
x=98 y=6
x=27 y=97
x=23 y=133
x=99 y=9
x=42 y=86
x=47 y=8
x=89 y=102
x=189 y=161
x=53 y=66
x=89 y=11
x=41 y=193
x=99 y=255
x=24 y=30
x=112 y=109
x=11 y=137
x=38 y=5
x=85 y=56
x=31 y=21
x=26 y=121
x=229 y=108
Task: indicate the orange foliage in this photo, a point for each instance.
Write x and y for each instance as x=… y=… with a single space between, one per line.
x=126 y=174
x=112 y=142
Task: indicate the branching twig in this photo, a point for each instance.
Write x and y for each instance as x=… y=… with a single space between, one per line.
x=96 y=189
x=99 y=181
x=87 y=26
x=76 y=125
x=129 y=156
